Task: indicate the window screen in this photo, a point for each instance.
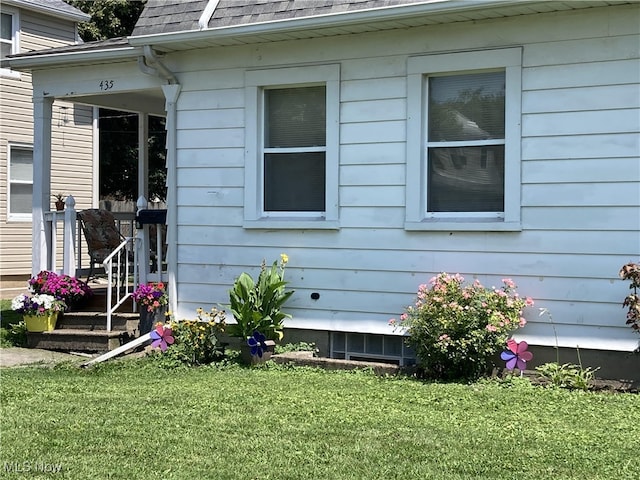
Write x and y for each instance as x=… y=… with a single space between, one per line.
x=295 y=149
x=465 y=142
x=21 y=180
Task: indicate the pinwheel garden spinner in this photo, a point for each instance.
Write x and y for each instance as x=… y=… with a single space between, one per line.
x=517 y=355
x=161 y=336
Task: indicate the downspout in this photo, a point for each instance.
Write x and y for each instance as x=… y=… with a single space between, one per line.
x=207 y=13
x=150 y=64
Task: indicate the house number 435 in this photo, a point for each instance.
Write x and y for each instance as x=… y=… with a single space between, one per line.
x=106 y=85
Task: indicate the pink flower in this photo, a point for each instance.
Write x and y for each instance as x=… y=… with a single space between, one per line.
x=522 y=322
x=528 y=301
x=508 y=283
x=491 y=328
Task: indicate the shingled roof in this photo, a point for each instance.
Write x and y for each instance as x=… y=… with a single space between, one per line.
x=165 y=16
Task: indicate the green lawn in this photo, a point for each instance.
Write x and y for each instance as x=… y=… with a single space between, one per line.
x=133 y=419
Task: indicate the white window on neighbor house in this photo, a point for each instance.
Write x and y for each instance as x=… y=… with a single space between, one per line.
x=9 y=37
x=463 y=141
x=291 y=168
x=20 y=182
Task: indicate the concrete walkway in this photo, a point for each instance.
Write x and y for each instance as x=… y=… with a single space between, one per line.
x=16 y=356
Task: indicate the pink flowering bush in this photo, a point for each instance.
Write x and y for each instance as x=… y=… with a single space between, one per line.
x=455 y=329
x=70 y=290
x=151 y=295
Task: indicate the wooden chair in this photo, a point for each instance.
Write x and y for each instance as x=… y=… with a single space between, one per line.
x=100 y=232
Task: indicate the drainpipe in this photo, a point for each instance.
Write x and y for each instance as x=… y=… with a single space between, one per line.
x=150 y=64
x=207 y=13
x=156 y=66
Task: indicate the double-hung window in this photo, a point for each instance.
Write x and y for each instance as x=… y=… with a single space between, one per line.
x=291 y=168
x=9 y=38
x=20 y=182
x=464 y=141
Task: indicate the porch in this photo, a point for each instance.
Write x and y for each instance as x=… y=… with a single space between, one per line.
x=109 y=318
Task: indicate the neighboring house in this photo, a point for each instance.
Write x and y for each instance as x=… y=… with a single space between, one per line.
x=380 y=142
x=30 y=25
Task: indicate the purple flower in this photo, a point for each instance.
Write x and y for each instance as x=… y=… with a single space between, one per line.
x=161 y=336
x=257 y=343
x=516 y=355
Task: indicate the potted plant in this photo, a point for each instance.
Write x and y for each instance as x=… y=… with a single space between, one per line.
x=40 y=311
x=152 y=299
x=59 y=201
x=256 y=305
x=71 y=290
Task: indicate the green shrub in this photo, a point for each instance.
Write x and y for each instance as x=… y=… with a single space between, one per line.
x=197 y=342
x=455 y=329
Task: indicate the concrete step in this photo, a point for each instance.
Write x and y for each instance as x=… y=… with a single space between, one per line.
x=78 y=340
x=95 y=321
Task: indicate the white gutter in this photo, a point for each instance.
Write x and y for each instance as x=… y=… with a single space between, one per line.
x=396 y=12
x=207 y=13
x=157 y=67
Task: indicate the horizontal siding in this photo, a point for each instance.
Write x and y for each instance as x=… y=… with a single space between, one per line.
x=72 y=154
x=580 y=177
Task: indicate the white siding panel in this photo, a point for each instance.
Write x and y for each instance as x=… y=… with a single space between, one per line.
x=538 y=242
x=583 y=51
x=363 y=154
x=212 y=99
x=213 y=196
x=581 y=99
x=581 y=146
x=211 y=157
x=581 y=170
x=372 y=196
x=224 y=118
x=375 y=132
x=223 y=177
x=582 y=218
x=582 y=123
x=583 y=74
x=373 y=111
x=581 y=194
x=208 y=138
x=372 y=175
x=374 y=89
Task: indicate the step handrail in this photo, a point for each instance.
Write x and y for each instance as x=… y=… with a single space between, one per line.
x=123 y=286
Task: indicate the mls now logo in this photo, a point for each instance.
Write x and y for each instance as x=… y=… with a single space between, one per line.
x=31 y=466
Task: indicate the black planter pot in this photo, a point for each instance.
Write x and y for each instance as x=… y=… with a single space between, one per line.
x=149 y=319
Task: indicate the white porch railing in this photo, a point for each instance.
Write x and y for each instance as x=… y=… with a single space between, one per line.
x=138 y=259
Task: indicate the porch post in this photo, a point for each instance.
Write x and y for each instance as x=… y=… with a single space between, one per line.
x=143 y=155
x=41 y=234
x=171 y=94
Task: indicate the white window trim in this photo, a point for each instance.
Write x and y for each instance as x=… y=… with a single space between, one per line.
x=255 y=82
x=417 y=217
x=15 y=31
x=16 y=217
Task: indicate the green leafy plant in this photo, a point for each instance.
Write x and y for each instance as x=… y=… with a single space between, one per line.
x=256 y=305
x=567 y=375
x=456 y=329
x=631 y=272
x=197 y=342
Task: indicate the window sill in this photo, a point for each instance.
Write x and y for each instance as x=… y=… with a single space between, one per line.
x=291 y=224
x=462 y=225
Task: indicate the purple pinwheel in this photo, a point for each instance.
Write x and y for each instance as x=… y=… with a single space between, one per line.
x=257 y=343
x=517 y=355
x=162 y=337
